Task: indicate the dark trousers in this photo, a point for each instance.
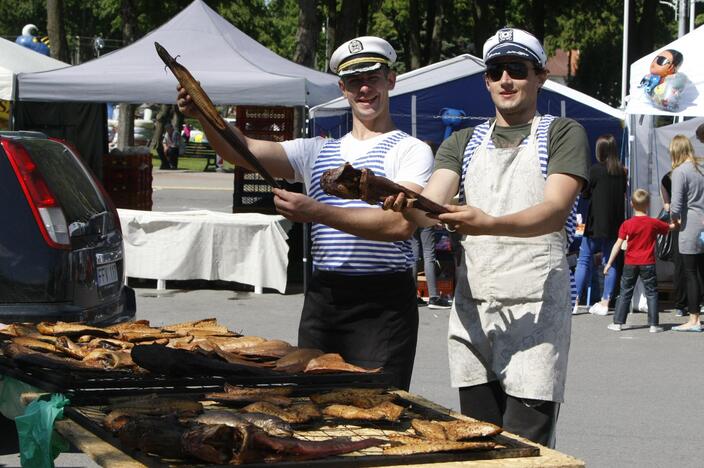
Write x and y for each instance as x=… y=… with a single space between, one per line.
x=371 y=320
x=628 y=283
x=172 y=156
x=694 y=269
x=533 y=419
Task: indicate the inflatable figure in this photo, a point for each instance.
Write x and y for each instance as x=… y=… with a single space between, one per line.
x=30 y=41
x=663 y=85
x=451 y=119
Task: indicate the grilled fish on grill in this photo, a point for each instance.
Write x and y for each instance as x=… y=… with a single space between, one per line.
x=34 y=344
x=267 y=349
x=246 y=395
x=359 y=397
x=309 y=449
x=110 y=359
x=68 y=347
x=155 y=405
x=72 y=329
x=22 y=354
x=330 y=363
x=266 y=422
x=412 y=445
x=21 y=329
x=296 y=414
x=118 y=327
x=385 y=411
x=108 y=343
x=454 y=430
x=236 y=358
x=295 y=361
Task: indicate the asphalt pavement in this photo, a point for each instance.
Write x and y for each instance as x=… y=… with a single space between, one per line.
x=632 y=399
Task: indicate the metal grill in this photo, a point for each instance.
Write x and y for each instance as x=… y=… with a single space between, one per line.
x=91 y=418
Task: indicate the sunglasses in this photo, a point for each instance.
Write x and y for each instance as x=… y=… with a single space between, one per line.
x=516 y=70
x=662 y=61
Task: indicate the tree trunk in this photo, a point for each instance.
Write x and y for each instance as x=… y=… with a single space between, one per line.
x=363 y=18
x=125 y=126
x=435 y=47
x=347 y=28
x=414 y=23
x=330 y=31
x=56 y=30
x=162 y=117
x=537 y=16
x=307 y=33
x=483 y=27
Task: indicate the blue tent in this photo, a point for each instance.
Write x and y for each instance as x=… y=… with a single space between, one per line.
x=420 y=96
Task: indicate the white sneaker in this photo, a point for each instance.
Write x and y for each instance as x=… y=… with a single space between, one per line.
x=599 y=309
x=656 y=329
x=615 y=326
x=575 y=310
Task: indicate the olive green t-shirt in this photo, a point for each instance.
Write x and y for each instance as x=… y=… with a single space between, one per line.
x=568 y=147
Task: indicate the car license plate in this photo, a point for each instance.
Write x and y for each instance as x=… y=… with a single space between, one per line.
x=107 y=274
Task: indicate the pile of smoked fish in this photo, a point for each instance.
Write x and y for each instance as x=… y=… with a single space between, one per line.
x=201 y=347
x=267 y=424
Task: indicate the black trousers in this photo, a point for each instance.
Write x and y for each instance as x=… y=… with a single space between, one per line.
x=372 y=321
x=694 y=269
x=533 y=419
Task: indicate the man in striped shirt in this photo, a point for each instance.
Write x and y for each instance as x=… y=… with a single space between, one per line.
x=361 y=302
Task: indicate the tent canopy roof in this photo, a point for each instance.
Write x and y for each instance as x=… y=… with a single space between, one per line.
x=450 y=70
x=16 y=59
x=232 y=68
x=692 y=97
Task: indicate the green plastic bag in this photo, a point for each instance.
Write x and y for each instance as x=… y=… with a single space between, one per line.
x=39 y=444
x=10 y=392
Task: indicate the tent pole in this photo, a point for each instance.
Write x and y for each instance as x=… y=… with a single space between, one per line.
x=413 y=115
x=624 y=54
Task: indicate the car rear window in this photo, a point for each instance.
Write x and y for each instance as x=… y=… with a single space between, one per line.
x=70 y=183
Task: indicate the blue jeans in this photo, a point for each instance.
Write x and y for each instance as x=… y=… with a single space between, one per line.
x=628 y=283
x=425 y=238
x=585 y=263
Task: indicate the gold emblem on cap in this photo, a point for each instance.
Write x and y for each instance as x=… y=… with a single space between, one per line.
x=506 y=35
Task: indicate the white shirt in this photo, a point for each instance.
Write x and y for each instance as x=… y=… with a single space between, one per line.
x=410 y=160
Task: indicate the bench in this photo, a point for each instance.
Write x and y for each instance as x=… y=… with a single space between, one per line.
x=202 y=150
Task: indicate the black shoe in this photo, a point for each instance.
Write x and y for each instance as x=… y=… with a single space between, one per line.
x=439 y=303
x=421 y=302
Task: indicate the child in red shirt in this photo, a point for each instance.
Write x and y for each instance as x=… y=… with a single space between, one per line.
x=640 y=230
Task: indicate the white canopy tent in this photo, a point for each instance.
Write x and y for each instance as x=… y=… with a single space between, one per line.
x=232 y=68
x=649 y=155
x=15 y=59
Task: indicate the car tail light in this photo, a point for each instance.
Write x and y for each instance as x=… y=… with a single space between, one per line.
x=45 y=207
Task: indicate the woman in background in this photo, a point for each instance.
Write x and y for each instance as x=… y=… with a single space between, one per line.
x=687 y=211
x=606 y=189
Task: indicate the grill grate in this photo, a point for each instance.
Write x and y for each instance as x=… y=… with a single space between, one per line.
x=91 y=418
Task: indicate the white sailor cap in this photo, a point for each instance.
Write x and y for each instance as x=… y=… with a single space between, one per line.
x=512 y=42
x=362 y=54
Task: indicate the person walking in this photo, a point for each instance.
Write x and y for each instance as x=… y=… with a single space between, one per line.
x=518 y=177
x=424 y=245
x=679 y=277
x=361 y=301
x=606 y=192
x=687 y=212
x=640 y=231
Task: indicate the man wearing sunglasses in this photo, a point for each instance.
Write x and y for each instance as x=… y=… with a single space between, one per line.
x=664 y=64
x=518 y=176
x=361 y=301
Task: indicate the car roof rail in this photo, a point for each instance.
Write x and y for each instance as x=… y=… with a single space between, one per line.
x=23 y=134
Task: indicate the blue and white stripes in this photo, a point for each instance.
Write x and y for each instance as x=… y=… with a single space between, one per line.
x=338 y=251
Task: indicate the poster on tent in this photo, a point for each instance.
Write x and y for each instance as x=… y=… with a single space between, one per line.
x=670 y=80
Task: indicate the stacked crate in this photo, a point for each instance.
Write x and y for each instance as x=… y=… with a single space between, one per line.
x=251 y=192
x=127 y=178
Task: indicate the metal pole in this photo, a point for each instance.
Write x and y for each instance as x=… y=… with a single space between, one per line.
x=624 y=61
x=682 y=20
x=692 y=4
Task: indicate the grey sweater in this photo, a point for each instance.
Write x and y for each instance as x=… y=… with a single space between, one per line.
x=688 y=203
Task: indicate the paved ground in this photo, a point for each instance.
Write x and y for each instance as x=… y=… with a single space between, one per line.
x=633 y=398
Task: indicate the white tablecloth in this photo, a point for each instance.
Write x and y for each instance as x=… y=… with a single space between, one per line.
x=248 y=248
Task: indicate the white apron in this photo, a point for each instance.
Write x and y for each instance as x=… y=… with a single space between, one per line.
x=511 y=318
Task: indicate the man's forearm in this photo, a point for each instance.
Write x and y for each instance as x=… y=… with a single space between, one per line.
x=368 y=223
x=537 y=220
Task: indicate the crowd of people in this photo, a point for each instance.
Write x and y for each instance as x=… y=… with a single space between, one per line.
x=518 y=176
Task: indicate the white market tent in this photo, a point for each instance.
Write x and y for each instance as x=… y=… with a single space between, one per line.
x=420 y=95
x=232 y=68
x=649 y=156
x=15 y=59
